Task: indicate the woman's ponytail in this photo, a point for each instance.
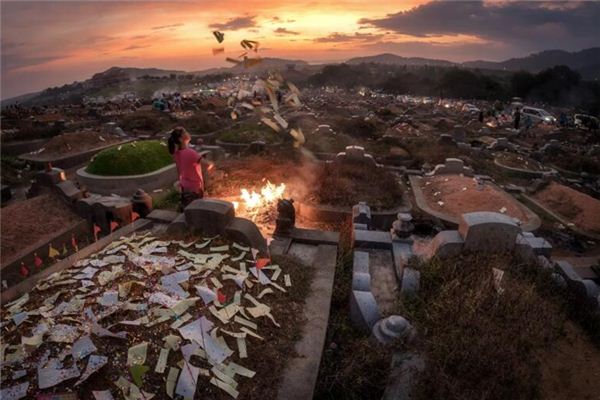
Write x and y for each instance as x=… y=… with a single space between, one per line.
x=173 y=141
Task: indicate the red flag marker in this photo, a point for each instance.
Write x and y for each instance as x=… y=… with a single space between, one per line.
x=37 y=261
x=113 y=225
x=221 y=297
x=134 y=216
x=24 y=270
x=262 y=262
x=74 y=243
x=97 y=230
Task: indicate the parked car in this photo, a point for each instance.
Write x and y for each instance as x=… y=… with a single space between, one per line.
x=538 y=115
x=471 y=109
x=584 y=121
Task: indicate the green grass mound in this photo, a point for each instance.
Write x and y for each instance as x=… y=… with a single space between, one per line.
x=131 y=159
x=248 y=133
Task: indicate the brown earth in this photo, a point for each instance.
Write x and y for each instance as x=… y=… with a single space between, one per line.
x=74 y=142
x=458 y=201
x=576 y=207
x=32 y=221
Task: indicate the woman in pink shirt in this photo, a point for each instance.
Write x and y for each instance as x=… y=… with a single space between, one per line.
x=188 y=165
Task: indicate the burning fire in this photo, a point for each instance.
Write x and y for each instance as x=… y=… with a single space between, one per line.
x=256 y=202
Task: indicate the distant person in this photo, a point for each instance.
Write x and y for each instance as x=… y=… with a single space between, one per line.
x=481 y=117
x=562 y=119
x=189 y=166
x=517 y=118
x=528 y=124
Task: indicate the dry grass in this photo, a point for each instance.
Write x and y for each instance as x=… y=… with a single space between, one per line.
x=346 y=185
x=479 y=344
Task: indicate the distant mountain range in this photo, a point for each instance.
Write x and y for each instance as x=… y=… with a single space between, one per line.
x=586 y=62
x=393 y=59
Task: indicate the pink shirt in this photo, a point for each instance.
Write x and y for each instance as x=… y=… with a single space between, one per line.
x=190 y=171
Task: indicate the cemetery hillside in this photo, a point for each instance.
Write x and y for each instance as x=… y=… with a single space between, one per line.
x=290 y=201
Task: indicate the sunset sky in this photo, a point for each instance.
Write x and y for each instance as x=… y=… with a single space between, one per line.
x=50 y=43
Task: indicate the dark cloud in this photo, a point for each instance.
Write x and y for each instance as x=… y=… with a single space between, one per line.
x=235 y=24
x=526 y=24
x=12 y=45
x=336 y=37
x=11 y=61
x=172 y=26
x=285 y=31
x=136 y=46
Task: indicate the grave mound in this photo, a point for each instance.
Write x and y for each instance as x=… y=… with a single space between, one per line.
x=134 y=158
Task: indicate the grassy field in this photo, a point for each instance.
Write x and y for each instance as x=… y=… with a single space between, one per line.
x=131 y=159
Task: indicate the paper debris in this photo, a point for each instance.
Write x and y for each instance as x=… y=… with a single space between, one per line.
x=62 y=333
x=503 y=210
x=15 y=392
x=172 y=380
x=287 y=280
x=207 y=295
x=249 y=332
x=53 y=375
x=109 y=298
x=94 y=364
x=186 y=385
x=245 y=322
x=196 y=330
x=83 y=347
x=181 y=320
x=137 y=354
x=163 y=299
x=264 y=292
x=19 y=318
x=241 y=343
x=102 y=395
x=224 y=386
x=19 y=374
x=161 y=364
x=172 y=342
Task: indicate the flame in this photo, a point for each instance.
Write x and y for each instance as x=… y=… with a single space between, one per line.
x=268 y=195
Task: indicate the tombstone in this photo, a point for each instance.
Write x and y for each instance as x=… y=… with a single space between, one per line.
x=447 y=244
x=452 y=166
x=485 y=231
x=244 y=231
x=361 y=214
x=209 y=216
x=355 y=155
x=364 y=311
x=257 y=147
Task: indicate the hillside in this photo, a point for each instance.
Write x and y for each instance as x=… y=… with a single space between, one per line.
x=394 y=59
x=586 y=62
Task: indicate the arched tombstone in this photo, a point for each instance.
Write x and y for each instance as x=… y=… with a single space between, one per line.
x=489 y=232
